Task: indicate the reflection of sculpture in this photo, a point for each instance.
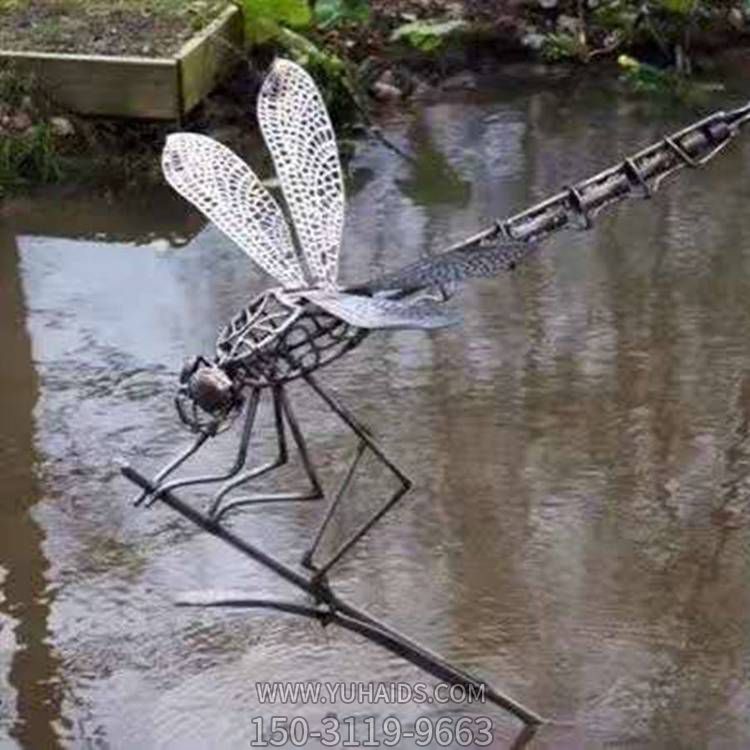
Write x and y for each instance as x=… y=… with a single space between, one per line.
x=289 y=332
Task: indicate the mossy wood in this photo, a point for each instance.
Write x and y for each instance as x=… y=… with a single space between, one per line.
x=138 y=87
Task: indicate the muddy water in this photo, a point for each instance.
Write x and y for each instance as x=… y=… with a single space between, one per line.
x=578 y=531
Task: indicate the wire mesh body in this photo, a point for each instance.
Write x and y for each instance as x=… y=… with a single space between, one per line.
x=277 y=338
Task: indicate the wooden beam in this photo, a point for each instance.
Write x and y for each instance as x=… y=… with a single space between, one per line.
x=98 y=85
x=208 y=56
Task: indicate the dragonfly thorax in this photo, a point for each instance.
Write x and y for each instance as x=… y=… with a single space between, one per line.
x=281 y=336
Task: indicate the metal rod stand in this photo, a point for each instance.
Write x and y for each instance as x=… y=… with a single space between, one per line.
x=330 y=608
x=365 y=442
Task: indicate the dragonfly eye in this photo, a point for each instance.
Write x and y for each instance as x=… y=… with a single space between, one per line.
x=211 y=389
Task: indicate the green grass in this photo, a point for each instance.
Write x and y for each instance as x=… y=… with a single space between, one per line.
x=27 y=158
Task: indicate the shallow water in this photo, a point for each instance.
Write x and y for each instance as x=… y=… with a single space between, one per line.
x=578 y=531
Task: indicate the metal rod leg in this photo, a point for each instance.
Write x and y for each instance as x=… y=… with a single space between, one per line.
x=307 y=559
x=365 y=437
x=239 y=461
x=360 y=533
x=301 y=444
x=281 y=458
x=283 y=411
x=174 y=464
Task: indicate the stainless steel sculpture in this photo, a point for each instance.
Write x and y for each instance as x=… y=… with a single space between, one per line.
x=289 y=332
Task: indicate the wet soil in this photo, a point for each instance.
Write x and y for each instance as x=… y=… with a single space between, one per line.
x=132 y=28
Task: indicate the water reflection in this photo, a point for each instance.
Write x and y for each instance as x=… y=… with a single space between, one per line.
x=30 y=691
x=579 y=531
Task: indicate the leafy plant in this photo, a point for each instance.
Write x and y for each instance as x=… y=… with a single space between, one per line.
x=265 y=18
x=308 y=54
x=427 y=36
x=618 y=17
x=330 y=13
x=29 y=157
x=288 y=25
x=647 y=78
x=680 y=7
x=560 y=47
x=328 y=69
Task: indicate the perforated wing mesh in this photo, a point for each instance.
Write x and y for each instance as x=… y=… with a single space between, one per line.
x=370 y=312
x=453 y=266
x=300 y=137
x=216 y=181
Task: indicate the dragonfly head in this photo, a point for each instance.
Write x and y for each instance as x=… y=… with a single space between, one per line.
x=207 y=395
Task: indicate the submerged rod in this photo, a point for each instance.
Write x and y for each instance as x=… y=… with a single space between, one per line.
x=338 y=610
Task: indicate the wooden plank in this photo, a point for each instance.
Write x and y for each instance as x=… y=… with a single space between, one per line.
x=208 y=56
x=99 y=85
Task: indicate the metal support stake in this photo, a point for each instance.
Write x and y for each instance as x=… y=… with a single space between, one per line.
x=338 y=610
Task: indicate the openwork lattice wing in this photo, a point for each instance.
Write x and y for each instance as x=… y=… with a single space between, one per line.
x=371 y=312
x=216 y=181
x=456 y=265
x=300 y=137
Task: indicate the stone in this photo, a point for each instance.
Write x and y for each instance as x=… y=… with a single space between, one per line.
x=385 y=92
x=533 y=41
x=422 y=90
x=387 y=78
x=466 y=81
x=20 y=121
x=62 y=126
x=568 y=25
x=736 y=19
x=386 y=87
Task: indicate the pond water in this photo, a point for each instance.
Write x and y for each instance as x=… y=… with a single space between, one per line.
x=580 y=448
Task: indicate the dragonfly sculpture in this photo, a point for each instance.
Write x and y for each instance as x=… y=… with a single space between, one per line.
x=290 y=331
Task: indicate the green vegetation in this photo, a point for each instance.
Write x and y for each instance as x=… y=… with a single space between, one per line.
x=331 y=13
x=668 y=33
x=27 y=148
x=264 y=19
x=428 y=36
x=29 y=158
x=299 y=32
x=668 y=26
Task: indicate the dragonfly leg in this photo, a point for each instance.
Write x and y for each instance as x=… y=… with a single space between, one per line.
x=173 y=465
x=282 y=413
x=366 y=442
x=251 y=411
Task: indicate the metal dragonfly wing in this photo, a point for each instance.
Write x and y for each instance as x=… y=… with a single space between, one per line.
x=300 y=137
x=299 y=134
x=472 y=261
x=218 y=183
